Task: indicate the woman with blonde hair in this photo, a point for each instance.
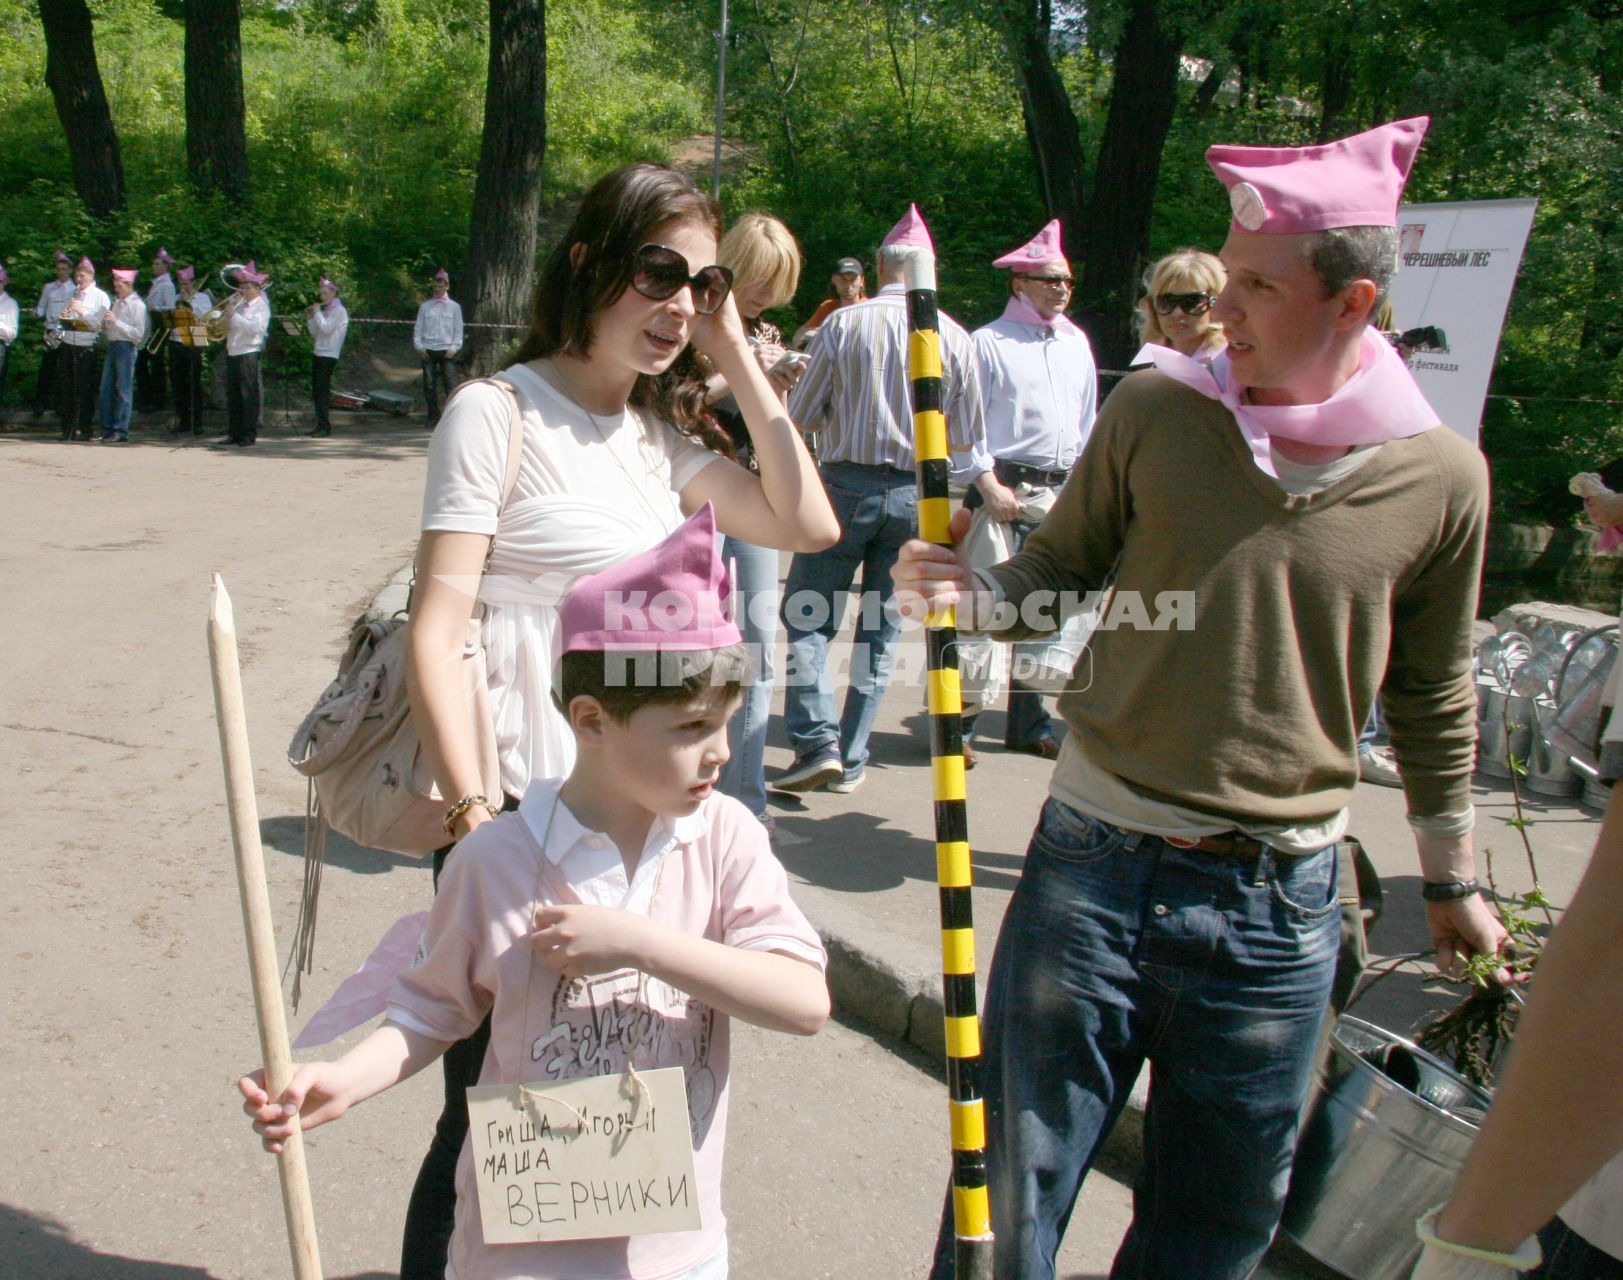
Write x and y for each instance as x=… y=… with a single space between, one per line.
x=1176 y=309
x=765 y=262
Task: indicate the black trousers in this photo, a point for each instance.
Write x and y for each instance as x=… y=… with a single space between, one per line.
x=438 y=379
x=45 y=394
x=151 y=380
x=78 y=380
x=186 y=372
x=321 y=368
x=244 y=396
x=5 y=361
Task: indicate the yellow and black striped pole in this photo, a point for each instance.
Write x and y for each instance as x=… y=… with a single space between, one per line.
x=971 y=1206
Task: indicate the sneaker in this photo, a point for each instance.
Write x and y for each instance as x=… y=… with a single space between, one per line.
x=848 y=781
x=811 y=770
x=1375 y=764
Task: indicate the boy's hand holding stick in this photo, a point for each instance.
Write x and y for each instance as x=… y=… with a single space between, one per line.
x=256 y=919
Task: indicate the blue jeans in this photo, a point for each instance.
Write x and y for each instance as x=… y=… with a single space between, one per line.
x=1568 y=1256
x=744 y=775
x=1118 y=948
x=117 y=388
x=878 y=510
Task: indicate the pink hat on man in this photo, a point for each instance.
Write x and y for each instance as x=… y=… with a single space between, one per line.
x=164 y=256
x=673 y=598
x=85 y=264
x=125 y=275
x=442 y=276
x=187 y=273
x=909 y=231
x=62 y=257
x=4 y=278
x=325 y=283
x=1044 y=247
x=251 y=273
x=1355 y=182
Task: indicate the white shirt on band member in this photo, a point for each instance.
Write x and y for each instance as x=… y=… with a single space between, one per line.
x=129 y=320
x=89 y=306
x=52 y=298
x=439 y=325
x=161 y=296
x=248 y=325
x=328 y=325
x=9 y=315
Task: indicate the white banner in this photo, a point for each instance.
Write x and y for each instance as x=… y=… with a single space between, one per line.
x=1456 y=267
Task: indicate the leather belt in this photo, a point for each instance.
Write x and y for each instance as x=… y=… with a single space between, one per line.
x=1013 y=473
x=1230 y=843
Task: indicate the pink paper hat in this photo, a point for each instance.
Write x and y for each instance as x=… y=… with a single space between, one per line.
x=325 y=283
x=252 y=274
x=1355 y=182
x=4 y=278
x=186 y=273
x=910 y=231
x=85 y=264
x=442 y=276
x=672 y=597
x=126 y=274
x=62 y=257
x=164 y=256
x=1042 y=247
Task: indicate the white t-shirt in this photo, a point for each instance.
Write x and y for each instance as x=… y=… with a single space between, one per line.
x=590 y=492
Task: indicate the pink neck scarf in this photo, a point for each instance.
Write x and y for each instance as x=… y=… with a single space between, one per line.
x=1379 y=402
x=1022 y=312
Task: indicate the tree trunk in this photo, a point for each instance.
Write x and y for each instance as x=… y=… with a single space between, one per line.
x=1051 y=127
x=81 y=104
x=1116 y=236
x=216 y=135
x=499 y=275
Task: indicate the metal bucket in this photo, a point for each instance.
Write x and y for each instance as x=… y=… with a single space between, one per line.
x=1549 y=772
x=1495 y=705
x=1383 y=1138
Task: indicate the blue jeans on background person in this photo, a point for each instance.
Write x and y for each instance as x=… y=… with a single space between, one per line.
x=117 y=390
x=1117 y=948
x=1568 y=1256
x=744 y=775
x=877 y=508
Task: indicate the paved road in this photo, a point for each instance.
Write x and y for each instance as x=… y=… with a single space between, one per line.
x=126 y=998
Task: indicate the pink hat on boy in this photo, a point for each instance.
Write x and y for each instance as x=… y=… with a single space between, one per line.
x=126 y=274
x=164 y=256
x=442 y=276
x=909 y=231
x=672 y=598
x=186 y=273
x=325 y=283
x=62 y=257
x=1355 y=182
x=1042 y=248
x=251 y=273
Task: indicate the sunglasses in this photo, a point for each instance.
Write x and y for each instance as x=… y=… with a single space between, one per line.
x=659 y=273
x=1064 y=282
x=1193 y=304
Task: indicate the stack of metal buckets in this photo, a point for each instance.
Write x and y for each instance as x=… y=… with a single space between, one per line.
x=1539 y=691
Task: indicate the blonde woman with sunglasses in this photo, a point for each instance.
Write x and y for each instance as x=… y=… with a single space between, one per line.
x=1176 y=309
x=616 y=452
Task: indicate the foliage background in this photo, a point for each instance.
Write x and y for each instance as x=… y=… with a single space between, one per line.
x=364 y=116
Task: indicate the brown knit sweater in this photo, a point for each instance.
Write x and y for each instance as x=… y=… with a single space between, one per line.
x=1303 y=609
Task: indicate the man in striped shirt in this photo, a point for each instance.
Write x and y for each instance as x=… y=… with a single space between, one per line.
x=854 y=399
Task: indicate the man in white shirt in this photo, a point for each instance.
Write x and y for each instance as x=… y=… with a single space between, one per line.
x=328 y=323
x=52 y=299
x=247 y=321
x=437 y=338
x=8 y=328
x=1040 y=391
x=125 y=325
x=186 y=353
x=76 y=376
x=151 y=367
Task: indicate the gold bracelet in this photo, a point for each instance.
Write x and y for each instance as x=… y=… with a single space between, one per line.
x=462 y=806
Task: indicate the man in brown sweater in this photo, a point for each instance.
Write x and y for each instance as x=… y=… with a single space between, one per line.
x=1290 y=531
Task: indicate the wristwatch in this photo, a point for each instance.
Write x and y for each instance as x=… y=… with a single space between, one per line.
x=1451 y=891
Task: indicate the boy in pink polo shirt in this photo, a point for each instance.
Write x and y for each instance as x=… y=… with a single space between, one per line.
x=618 y=918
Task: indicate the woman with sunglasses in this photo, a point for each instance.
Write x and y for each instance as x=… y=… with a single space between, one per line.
x=1176 y=309
x=615 y=452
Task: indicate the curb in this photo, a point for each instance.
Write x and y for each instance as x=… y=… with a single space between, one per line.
x=872 y=976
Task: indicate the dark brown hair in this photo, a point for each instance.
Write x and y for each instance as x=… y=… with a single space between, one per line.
x=615 y=219
x=625 y=681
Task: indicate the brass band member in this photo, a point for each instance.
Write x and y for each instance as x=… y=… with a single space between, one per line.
x=76 y=373
x=186 y=353
x=52 y=299
x=437 y=336
x=328 y=322
x=125 y=325
x=247 y=322
x=151 y=372
x=9 y=315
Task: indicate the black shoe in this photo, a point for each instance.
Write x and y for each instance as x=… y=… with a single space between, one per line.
x=67 y=435
x=1047 y=747
x=319 y=432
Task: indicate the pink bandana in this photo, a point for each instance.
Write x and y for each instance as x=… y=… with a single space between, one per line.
x=1379 y=402
x=1022 y=312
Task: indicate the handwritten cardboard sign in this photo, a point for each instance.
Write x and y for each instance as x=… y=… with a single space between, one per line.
x=584 y=1159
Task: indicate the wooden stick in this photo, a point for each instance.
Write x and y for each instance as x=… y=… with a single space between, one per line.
x=297 y=1210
